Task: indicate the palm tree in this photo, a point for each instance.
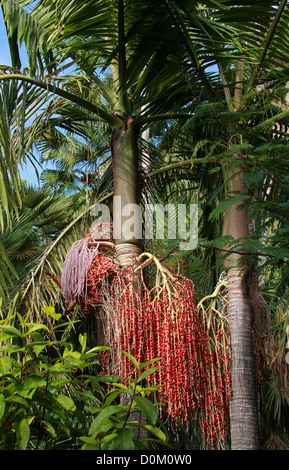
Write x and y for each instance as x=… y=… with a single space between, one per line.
x=239 y=83
x=160 y=82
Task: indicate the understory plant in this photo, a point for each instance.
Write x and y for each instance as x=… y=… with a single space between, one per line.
x=52 y=395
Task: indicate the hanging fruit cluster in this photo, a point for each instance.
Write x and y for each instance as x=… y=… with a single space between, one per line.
x=161 y=321
x=164 y=322
x=102 y=271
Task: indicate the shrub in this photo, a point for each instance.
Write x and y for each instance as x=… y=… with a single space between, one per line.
x=52 y=398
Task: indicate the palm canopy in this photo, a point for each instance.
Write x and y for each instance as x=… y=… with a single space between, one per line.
x=188 y=48
x=155 y=60
x=161 y=58
x=94 y=37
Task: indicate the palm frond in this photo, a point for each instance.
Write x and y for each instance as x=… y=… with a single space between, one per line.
x=39 y=290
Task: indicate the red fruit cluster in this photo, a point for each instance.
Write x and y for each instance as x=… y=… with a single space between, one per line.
x=102 y=270
x=164 y=322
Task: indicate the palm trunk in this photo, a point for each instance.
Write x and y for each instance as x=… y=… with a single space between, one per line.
x=127 y=191
x=243 y=407
x=244 y=427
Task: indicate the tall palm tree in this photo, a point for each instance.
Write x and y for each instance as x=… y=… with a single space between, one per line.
x=240 y=79
x=161 y=81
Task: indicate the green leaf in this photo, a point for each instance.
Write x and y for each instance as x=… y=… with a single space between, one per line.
x=222 y=206
x=5 y=365
x=89 y=443
x=50 y=312
x=66 y=402
x=5 y=336
x=11 y=330
x=38 y=347
x=36 y=328
x=29 y=385
x=111 y=396
x=147 y=363
x=156 y=432
x=22 y=433
x=147 y=408
x=5 y=320
x=123 y=440
x=11 y=348
x=2 y=406
x=132 y=359
x=148 y=372
x=82 y=341
x=95 y=350
x=56 y=327
x=16 y=399
x=49 y=428
x=103 y=416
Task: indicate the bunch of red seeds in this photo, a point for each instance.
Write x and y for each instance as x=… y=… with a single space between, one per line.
x=164 y=322
x=101 y=272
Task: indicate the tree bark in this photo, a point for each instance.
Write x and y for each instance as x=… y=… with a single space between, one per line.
x=244 y=426
x=126 y=185
x=243 y=407
x=127 y=189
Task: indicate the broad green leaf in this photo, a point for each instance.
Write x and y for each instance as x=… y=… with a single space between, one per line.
x=128 y=390
x=36 y=328
x=66 y=402
x=147 y=363
x=5 y=320
x=148 y=372
x=96 y=350
x=2 y=406
x=39 y=347
x=5 y=336
x=11 y=348
x=11 y=330
x=50 y=312
x=49 y=428
x=102 y=417
x=156 y=432
x=16 y=399
x=89 y=443
x=82 y=340
x=22 y=433
x=139 y=445
x=5 y=364
x=70 y=353
x=147 y=408
x=111 y=396
x=36 y=336
x=29 y=385
x=59 y=383
x=132 y=359
x=123 y=440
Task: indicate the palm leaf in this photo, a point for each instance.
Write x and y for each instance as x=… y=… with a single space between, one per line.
x=38 y=290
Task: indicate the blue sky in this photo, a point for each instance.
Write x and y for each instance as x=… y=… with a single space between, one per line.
x=28 y=172
x=4 y=49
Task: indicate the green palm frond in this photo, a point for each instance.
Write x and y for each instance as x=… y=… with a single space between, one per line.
x=41 y=216
x=39 y=290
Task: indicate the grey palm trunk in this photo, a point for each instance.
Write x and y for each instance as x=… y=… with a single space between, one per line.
x=244 y=415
